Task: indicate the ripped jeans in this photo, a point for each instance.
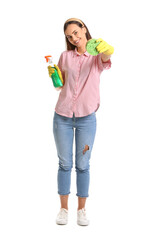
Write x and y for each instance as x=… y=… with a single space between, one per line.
x=85 y=130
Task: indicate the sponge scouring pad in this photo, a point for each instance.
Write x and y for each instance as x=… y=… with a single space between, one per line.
x=91 y=47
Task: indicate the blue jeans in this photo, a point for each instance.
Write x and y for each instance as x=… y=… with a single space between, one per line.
x=85 y=130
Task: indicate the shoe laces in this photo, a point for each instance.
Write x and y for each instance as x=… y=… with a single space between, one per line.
x=62 y=213
x=82 y=213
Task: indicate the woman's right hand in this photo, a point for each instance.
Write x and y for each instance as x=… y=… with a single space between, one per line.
x=51 y=70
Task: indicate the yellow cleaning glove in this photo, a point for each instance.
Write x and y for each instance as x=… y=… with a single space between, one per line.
x=51 y=70
x=104 y=47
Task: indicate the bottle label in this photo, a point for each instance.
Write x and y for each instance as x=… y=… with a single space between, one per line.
x=56 y=79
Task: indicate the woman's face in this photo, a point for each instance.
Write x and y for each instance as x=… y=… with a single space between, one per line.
x=76 y=35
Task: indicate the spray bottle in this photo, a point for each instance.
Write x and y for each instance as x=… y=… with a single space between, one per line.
x=55 y=76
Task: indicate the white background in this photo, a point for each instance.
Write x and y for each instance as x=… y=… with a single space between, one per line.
x=121 y=190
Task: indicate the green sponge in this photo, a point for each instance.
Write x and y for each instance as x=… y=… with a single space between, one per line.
x=91 y=47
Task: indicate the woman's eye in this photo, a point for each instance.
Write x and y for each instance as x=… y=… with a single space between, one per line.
x=75 y=33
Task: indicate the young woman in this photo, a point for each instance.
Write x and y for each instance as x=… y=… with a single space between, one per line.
x=75 y=113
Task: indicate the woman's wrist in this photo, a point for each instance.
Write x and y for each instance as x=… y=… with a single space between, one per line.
x=104 y=57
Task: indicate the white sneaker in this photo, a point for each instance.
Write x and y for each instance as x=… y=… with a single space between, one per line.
x=81 y=218
x=62 y=217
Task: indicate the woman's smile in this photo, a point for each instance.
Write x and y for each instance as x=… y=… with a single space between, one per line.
x=77 y=37
x=77 y=42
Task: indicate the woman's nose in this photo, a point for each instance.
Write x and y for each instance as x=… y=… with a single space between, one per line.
x=74 y=38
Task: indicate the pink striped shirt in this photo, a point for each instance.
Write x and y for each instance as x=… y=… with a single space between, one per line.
x=81 y=74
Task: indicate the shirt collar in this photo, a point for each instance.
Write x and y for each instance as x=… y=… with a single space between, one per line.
x=75 y=53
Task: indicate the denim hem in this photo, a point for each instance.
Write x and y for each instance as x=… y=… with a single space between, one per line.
x=82 y=196
x=64 y=194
